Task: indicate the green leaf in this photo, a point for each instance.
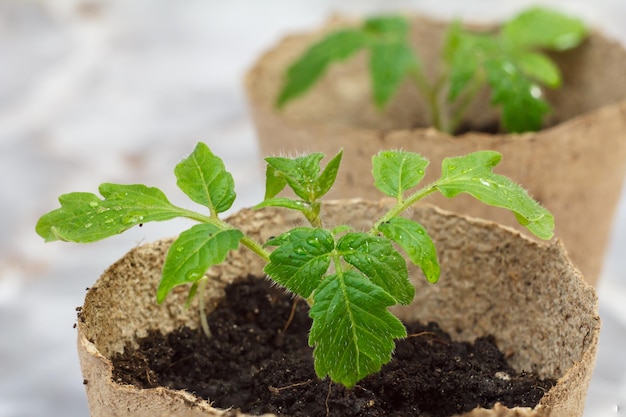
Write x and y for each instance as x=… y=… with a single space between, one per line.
x=299 y=173
x=84 y=217
x=465 y=55
x=275 y=182
x=390 y=62
x=301 y=259
x=511 y=65
x=461 y=60
x=522 y=106
x=473 y=174
x=327 y=178
x=341 y=229
x=195 y=250
x=377 y=259
x=391 y=56
x=541 y=68
x=413 y=238
x=397 y=171
x=352 y=331
x=453 y=41
x=543 y=28
x=305 y=71
x=382 y=28
x=284 y=202
x=302 y=175
x=203 y=177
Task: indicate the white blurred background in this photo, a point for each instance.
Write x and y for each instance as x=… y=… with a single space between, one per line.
x=99 y=91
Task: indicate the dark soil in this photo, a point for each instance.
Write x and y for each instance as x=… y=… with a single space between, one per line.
x=252 y=363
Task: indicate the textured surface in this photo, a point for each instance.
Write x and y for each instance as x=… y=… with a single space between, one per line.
x=94 y=91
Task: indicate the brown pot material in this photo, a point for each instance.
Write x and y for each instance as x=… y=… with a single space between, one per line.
x=575 y=166
x=493 y=281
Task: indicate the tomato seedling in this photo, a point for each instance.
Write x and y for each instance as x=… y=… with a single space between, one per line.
x=348 y=277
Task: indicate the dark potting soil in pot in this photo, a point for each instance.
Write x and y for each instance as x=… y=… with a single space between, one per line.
x=258 y=360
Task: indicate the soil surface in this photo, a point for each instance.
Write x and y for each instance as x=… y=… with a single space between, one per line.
x=258 y=360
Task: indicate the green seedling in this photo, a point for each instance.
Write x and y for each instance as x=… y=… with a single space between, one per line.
x=510 y=61
x=348 y=277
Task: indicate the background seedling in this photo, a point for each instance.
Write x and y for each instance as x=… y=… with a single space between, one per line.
x=510 y=61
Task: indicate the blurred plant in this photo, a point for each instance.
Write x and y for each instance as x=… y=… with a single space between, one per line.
x=510 y=61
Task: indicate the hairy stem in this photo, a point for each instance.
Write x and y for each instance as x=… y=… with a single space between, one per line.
x=313 y=215
x=255 y=247
x=247 y=241
x=401 y=206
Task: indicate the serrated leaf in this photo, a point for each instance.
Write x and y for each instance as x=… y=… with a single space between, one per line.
x=203 y=177
x=353 y=332
x=397 y=171
x=84 y=217
x=193 y=252
x=301 y=260
x=390 y=62
x=413 y=238
x=543 y=28
x=541 y=68
x=304 y=72
x=300 y=173
x=377 y=259
x=521 y=100
x=473 y=174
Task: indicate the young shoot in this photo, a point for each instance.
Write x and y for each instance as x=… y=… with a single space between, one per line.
x=348 y=277
x=511 y=62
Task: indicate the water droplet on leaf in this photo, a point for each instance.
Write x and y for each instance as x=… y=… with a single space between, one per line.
x=194 y=275
x=132 y=218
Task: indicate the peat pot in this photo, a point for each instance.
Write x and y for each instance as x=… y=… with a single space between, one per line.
x=575 y=166
x=527 y=294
